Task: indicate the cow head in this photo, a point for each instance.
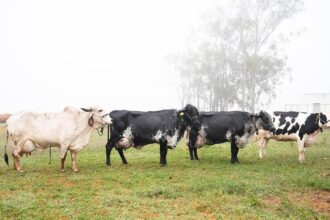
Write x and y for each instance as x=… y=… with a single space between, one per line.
x=322 y=120
x=98 y=117
x=263 y=120
x=190 y=115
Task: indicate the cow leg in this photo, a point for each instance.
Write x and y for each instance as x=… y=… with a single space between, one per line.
x=64 y=150
x=163 y=151
x=234 y=151
x=304 y=153
x=108 y=148
x=122 y=156
x=63 y=161
x=191 y=153
x=262 y=147
x=195 y=154
x=16 y=154
x=192 y=142
x=301 y=150
x=74 y=155
x=17 y=165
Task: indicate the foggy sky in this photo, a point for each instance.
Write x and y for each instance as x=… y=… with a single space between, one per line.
x=111 y=53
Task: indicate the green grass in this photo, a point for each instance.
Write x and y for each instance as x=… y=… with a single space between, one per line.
x=275 y=188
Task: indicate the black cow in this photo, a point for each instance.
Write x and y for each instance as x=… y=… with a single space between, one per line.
x=293 y=126
x=135 y=128
x=235 y=127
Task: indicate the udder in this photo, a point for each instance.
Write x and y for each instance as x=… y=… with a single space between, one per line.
x=200 y=141
x=124 y=143
x=28 y=147
x=311 y=139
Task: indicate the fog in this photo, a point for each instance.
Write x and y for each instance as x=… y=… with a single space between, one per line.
x=112 y=53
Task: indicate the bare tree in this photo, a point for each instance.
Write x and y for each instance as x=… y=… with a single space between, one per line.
x=256 y=22
x=238 y=58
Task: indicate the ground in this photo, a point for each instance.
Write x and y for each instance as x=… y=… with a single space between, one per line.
x=278 y=187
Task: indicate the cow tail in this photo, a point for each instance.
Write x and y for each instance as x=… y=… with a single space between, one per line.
x=50 y=155
x=108 y=134
x=5 y=157
x=108 y=137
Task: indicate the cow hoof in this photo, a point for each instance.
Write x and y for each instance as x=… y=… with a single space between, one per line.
x=125 y=162
x=20 y=171
x=75 y=171
x=163 y=164
x=62 y=170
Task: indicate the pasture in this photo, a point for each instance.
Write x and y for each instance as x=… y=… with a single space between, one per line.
x=275 y=188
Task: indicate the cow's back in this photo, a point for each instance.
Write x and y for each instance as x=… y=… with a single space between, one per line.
x=293 y=125
x=144 y=121
x=233 y=120
x=288 y=124
x=43 y=128
x=220 y=125
x=146 y=127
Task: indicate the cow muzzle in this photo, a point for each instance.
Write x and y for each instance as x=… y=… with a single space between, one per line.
x=105 y=120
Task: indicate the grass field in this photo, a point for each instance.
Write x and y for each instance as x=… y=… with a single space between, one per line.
x=275 y=188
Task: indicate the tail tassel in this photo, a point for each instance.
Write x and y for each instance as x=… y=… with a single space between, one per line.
x=6 y=158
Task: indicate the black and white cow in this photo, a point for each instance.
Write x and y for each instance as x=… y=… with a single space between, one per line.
x=293 y=126
x=135 y=129
x=235 y=127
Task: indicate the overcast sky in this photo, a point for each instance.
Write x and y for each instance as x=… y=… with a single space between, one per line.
x=111 y=53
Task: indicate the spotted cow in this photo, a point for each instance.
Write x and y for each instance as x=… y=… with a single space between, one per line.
x=236 y=127
x=136 y=129
x=293 y=126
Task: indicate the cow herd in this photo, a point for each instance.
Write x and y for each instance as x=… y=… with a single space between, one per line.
x=71 y=129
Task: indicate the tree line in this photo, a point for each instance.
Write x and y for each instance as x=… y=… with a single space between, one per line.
x=236 y=57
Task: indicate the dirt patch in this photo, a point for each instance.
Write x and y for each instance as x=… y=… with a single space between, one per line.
x=205 y=211
x=98 y=182
x=69 y=184
x=317 y=200
x=272 y=202
x=104 y=212
x=146 y=215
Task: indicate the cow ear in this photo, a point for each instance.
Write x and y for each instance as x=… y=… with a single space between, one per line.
x=91 y=121
x=86 y=110
x=262 y=113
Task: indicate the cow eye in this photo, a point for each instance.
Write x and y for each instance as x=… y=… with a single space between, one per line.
x=100 y=110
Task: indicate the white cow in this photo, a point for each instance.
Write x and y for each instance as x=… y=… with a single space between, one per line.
x=69 y=130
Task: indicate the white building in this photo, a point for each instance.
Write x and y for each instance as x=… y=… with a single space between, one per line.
x=311 y=102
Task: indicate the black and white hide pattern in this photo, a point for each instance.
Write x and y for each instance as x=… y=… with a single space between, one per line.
x=136 y=129
x=236 y=127
x=293 y=126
